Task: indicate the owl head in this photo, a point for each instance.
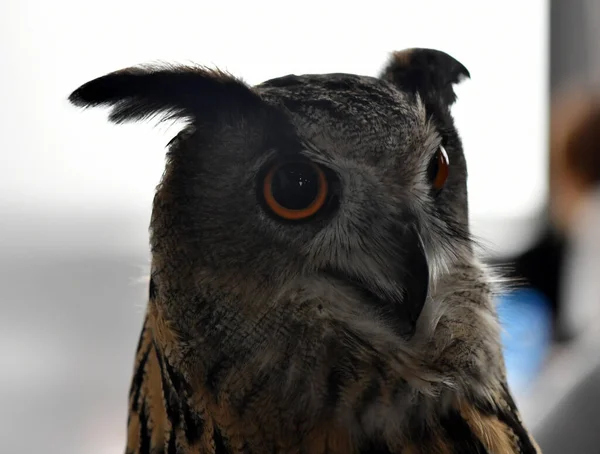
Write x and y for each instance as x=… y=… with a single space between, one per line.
x=313 y=278
x=315 y=183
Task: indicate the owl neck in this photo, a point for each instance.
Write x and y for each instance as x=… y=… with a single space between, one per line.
x=167 y=413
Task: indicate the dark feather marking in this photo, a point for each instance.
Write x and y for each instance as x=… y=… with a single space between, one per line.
x=171 y=400
x=152 y=289
x=144 y=432
x=179 y=383
x=220 y=447
x=141 y=339
x=172 y=446
x=138 y=378
x=510 y=419
x=194 y=424
x=461 y=438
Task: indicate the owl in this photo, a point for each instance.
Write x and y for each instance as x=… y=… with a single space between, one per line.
x=314 y=285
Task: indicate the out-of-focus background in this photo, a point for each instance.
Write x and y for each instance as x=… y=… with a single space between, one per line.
x=76 y=191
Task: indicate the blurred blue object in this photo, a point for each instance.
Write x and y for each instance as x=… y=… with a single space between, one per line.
x=526 y=322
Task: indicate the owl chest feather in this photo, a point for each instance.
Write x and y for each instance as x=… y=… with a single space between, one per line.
x=168 y=415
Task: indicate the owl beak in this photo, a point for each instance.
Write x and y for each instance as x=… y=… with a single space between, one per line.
x=415 y=279
x=403 y=306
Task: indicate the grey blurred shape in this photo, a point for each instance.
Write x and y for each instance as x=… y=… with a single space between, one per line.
x=71 y=316
x=574 y=425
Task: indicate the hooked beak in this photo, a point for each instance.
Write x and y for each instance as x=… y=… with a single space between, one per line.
x=411 y=281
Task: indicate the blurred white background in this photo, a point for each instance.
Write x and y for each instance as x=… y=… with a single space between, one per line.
x=76 y=191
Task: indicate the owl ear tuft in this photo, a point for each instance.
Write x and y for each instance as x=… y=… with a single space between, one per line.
x=143 y=92
x=429 y=72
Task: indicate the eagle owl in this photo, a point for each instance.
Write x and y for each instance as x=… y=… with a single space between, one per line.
x=314 y=288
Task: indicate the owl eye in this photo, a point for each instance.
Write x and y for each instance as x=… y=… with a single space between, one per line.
x=439 y=168
x=295 y=190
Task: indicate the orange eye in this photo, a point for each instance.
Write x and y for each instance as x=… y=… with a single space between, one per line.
x=439 y=168
x=295 y=190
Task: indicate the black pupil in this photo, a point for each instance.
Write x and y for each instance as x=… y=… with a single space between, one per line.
x=295 y=186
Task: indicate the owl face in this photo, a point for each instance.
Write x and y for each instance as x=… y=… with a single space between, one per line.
x=332 y=181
